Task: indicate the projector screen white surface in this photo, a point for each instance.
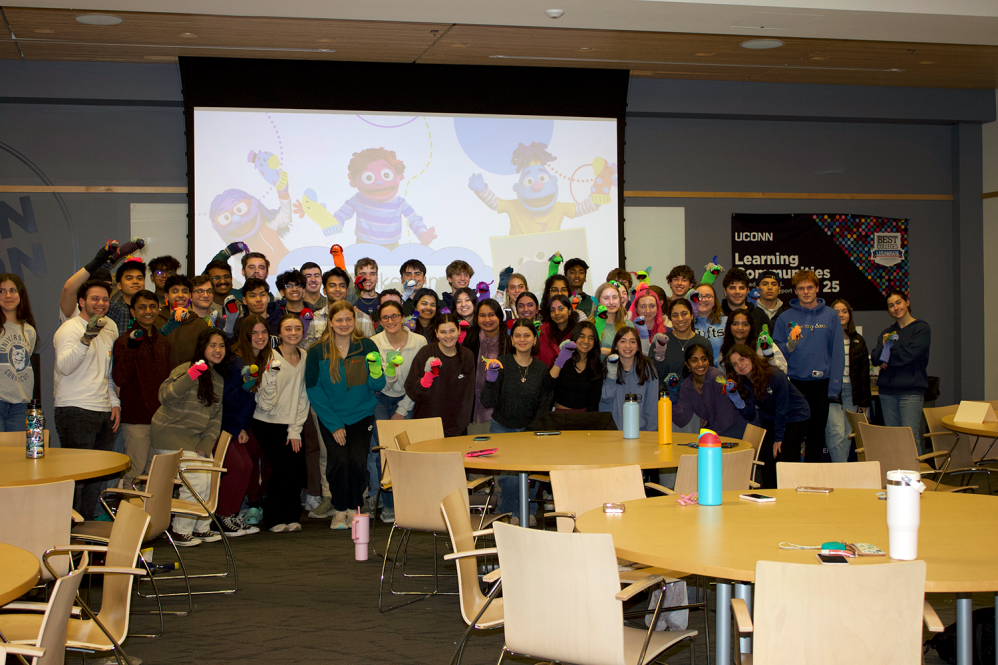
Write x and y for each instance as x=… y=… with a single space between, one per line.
x=450 y=191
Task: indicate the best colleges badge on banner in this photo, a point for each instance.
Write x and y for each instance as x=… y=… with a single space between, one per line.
x=856 y=257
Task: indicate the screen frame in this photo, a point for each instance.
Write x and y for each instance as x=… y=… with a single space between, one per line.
x=402 y=88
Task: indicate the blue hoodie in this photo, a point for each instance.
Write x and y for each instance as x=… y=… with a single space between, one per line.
x=820 y=353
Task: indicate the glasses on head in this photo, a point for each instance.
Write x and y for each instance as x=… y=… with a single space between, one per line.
x=203 y=292
x=390 y=317
x=164 y=273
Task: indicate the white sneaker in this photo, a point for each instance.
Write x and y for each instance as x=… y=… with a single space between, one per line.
x=279 y=528
x=339 y=521
x=388 y=515
x=351 y=513
x=294 y=526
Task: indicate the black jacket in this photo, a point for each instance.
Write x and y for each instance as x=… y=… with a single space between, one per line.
x=859 y=370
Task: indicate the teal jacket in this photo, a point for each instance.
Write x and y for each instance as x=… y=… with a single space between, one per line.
x=352 y=398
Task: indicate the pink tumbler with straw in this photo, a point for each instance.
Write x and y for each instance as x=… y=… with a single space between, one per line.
x=360 y=533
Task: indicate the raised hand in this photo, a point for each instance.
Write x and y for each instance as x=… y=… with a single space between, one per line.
x=337 y=252
x=477 y=182
x=554 y=263
x=504 y=278
x=431 y=370
x=711 y=271
x=641 y=327
x=463 y=326
x=731 y=388
x=197 y=369
x=888 y=342
x=236 y=248
x=306 y=318
x=130 y=247
x=134 y=338
x=612 y=366
x=765 y=342
x=482 y=290
x=395 y=360
x=602 y=312
x=250 y=373
x=103 y=255
x=273 y=366
x=428 y=236
x=694 y=299
x=231 y=312
x=94 y=328
x=374 y=364
x=358 y=282
x=754 y=295
x=410 y=288
x=660 y=343
x=794 y=336
x=567 y=348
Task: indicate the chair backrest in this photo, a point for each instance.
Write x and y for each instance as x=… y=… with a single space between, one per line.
x=455 y=511
x=893 y=447
x=162 y=472
x=218 y=460
x=855 y=418
x=400 y=433
x=11 y=439
x=37 y=518
x=55 y=622
x=943 y=439
x=806 y=613
x=129 y=526
x=558 y=595
x=755 y=436
x=581 y=490
x=846 y=476
x=737 y=472
x=420 y=481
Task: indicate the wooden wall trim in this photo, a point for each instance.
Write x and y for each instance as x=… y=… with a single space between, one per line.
x=788 y=195
x=989 y=195
x=89 y=189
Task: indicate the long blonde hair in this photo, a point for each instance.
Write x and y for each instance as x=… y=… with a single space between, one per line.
x=620 y=317
x=328 y=339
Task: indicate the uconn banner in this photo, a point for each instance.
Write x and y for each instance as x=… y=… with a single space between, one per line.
x=856 y=257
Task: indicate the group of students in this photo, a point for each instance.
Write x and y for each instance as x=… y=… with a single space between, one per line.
x=298 y=379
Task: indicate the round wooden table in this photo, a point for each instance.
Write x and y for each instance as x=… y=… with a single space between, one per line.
x=985 y=430
x=958 y=539
x=58 y=464
x=525 y=452
x=20 y=572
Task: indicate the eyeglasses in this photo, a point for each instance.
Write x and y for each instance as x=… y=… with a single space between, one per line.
x=390 y=317
x=164 y=273
x=204 y=292
x=217 y=278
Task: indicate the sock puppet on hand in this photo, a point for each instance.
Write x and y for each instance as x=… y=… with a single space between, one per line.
x=431 y=370
x=711 y=271
x=889 y=339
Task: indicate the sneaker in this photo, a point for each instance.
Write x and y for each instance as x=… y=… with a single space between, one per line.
x=184 y=539
x=253 y=516
x=323 y=510
x=249 y=529
x=515 y=521
x=207 y=536
x=294 y=526
x=339 y=520
x=279 y=528
x=312 y=502
x=231 y=526
x=388 y=515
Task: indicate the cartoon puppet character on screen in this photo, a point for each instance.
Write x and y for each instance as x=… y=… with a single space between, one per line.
x=241 y=217
x=536 y=208
x=376 y=174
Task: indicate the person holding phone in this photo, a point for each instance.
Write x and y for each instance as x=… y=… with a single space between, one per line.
x=441 y=382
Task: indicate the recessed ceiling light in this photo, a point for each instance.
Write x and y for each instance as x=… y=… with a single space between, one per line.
x=45 y=31
x=98 y=19
x=761 y=44
x=188 y=34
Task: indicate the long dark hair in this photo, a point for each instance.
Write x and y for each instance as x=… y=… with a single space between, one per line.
x=23 y=312
x=206 y=385
x=472 y=341
x=573 y=317
x=729 y=340
x=851 y=327
x=643 y=366
x=416 y=297
x=242 y=347
x=689 y=353
x=759 y=376
x=892 y=292
x=593 y=360
x=471 y=294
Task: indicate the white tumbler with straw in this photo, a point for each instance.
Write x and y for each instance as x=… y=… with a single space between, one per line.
x=904 y=492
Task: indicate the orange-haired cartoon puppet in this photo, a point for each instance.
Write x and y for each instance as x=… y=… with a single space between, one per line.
x=536 y=208
x=376 y=174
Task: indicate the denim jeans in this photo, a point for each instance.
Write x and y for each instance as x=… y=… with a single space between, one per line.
x=12 y=416
x=383 y=411
x=509 y=483
x=837 y=430
x=904 y=410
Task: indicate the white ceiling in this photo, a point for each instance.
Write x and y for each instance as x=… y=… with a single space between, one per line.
x=932 y=21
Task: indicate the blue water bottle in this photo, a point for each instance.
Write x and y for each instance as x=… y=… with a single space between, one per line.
x=632 y=416
x=709 y=469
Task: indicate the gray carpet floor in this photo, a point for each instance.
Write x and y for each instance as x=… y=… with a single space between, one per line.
x=303 y=598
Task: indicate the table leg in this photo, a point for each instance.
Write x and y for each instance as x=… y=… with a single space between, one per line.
x=964 y=646
x=744 y=591
x=524 y=503
x=722 y=625
x=996 y=629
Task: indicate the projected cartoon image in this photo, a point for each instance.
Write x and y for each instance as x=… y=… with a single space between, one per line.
x=394 y=186
x=536 y=208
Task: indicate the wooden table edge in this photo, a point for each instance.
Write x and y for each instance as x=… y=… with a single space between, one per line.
x=121 y=465
x=25 y=586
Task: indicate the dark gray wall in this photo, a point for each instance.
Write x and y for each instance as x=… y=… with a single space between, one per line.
x=122 y=124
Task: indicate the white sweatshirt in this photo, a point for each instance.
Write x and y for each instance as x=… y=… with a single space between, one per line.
x=281 y=398
x=395 y=386
x=83 y=373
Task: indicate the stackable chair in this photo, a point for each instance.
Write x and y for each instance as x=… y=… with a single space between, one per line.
x=20 y=439
x=37 y=518
x=755 y=436
x=562 y=600
x=105 y=630
x=848 y=475
x=894 y=448
x=807 y=613
x=960 y=446
x=737 y=469
x=420 y=481
x=854 y=418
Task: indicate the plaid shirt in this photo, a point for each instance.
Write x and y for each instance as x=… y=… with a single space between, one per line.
x=119 y=312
